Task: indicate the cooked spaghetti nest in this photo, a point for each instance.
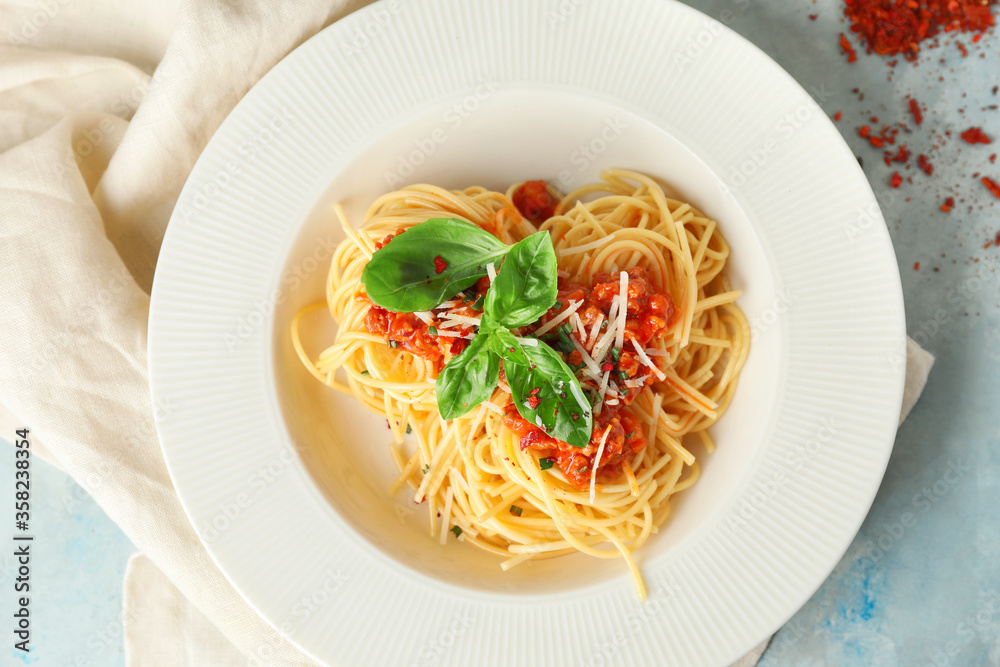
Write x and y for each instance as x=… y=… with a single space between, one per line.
x=470 y=470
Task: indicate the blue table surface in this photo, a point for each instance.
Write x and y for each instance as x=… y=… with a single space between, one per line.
x=920 y=585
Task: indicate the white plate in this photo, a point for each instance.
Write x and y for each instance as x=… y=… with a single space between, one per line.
x=285 y=482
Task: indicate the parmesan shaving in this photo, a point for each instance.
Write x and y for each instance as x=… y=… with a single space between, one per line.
x=530 y=342
x=454 y=334
x=559 y=319
x=597 y=462
x=622 y=310
x=587 y=360
x=603 y=390
x=491 y=271
x=639 y=352
x=596 y=329
x=425 y=315
x=489 y=405
x=460 y=319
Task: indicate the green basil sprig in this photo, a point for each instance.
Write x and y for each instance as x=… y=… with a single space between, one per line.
x=435 y=260
x=403 y=276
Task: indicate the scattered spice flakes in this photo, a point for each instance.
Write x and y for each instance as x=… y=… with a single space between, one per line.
x=924 y=163
x=812 y=17
x=916 y=267
x=975 y=135
x=993 y=158
x=949 y=204
x=961 y=47
x=897 y=180
x=845 y=45
x=918 y=116
x=889 y=27
x=838 y=116
x=992 y=186
x=900 y=156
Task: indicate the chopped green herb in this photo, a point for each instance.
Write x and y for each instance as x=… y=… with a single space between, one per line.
x=393 y=344
x=545 y=464
x=456 y=530
x=409 y=429
x=432 y=331
x=426 y=469
x=616 y=354
x=365 y=373
x=623 y=375
x=558 y=305
x=515 y=510
x=630 y=434
x=478 y=304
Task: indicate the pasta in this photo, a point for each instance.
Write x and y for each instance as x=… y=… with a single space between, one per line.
x=660 y=365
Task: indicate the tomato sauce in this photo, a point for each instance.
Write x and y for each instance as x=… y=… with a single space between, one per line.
x=649 y=315
x=534 y=201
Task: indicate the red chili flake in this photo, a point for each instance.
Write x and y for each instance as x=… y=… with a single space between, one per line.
x=993 y=158
x=896 y=180
x=918 y=116
x=838 y=116
x=534 y=392
x=439 y=264
x=852 y=55
x=949 y=204
x=896 y=26
x=533 y=402
x=865 y=131
x=976 y=38
x=992 y=186
x=874 y=119
x=812 y=17
x=877 y=142
x=607 y=366
x=975 y=135
x=961 y=47
x=916 y=267
x=924 y=163
x=901 y=156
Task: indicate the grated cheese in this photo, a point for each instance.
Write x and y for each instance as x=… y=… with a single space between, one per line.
x=425 y=315
x=587 y=360
x=460 y=319
x=597 y=461
x=578 y=324
x=596 y=329
x=530 y=342
x=490 y=405
x=603 y=390
x=639 y=352
x=491 y=271
x=622 y=310
x=559 y=319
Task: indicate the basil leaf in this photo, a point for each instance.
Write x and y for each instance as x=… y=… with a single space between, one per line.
x=468 y=379
x=403 y=276
x=526 y=284
x=562 y=410
x=505 y=345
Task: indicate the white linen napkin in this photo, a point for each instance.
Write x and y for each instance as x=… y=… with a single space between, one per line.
x=93 y=153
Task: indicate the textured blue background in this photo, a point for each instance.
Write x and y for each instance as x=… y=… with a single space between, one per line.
x=921 y=583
